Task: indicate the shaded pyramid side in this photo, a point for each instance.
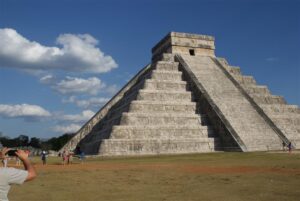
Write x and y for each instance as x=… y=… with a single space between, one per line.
x=115 y=105
x=155 y=116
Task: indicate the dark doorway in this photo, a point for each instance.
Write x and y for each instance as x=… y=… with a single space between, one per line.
x=192 y=52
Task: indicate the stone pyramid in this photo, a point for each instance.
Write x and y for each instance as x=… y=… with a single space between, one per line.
x=189 y=101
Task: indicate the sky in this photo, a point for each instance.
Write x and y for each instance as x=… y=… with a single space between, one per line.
x=62 y=60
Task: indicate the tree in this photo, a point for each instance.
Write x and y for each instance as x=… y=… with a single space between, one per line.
x=35 y=142
x=22 y=140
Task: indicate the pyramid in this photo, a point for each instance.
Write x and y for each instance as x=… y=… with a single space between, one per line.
x=187 y=100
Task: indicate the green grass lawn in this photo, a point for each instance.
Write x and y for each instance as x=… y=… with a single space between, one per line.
x=216 y=176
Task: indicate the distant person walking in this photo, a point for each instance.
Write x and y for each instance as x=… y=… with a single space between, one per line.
x=81 y=156
x=18 y=161
x=283 y=146
x=70 y=158
x=64 y=157
x=290 y=147
x=44 y=155
x=5 y=161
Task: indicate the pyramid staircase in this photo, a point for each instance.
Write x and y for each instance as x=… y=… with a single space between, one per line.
x=286 y=117
x=156 y=115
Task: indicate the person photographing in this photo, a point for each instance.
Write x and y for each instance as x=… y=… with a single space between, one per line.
x=10 y=176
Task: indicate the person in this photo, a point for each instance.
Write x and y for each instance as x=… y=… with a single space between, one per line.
x=290 y=147
x=283 y=146
x=44 y=157
x=64 y=157
x=18 y=161
x=81 y=157
x=5 y=161
x=70 y=158
x=10 y=176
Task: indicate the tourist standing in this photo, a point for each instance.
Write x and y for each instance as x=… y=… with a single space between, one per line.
x=44 y=157
x=81 y=156
x=5 y=161
x=290 y=147
x=283 y=146
x=64 y=157
x=70 y=158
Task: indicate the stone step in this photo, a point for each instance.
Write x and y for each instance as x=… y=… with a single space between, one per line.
x=166 y=75
x=263 y=143
x=264 y=147
x=280 y=108
x=256 y=89
x=233 y=70
x=290 y=130
x=115 y=111
x=162 y=119
x=162 y=131
x=101 y=134
x=166 y=66
x=153 y=146
x=162 y=95
x=158 y=106
x=167 y=57
x=242 y=79
x=268 y=99
x=109 y=122
x=286 y=120
x=165 y=85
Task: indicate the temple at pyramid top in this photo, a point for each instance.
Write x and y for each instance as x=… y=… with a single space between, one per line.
x=184 y=43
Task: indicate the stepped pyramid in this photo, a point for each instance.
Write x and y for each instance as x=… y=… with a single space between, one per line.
x=189 y=101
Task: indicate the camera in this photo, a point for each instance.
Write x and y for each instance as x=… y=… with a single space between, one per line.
x=12 y=152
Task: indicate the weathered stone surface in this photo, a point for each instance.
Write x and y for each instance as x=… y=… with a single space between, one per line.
x=284 y=116
x=245 y=120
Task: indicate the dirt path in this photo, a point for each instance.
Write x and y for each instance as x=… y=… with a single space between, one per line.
x=196 y=169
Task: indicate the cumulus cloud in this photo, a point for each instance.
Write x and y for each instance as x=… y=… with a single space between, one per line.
x=74 y=85
x=78 y=118
x=94 y=102
x=72 y=128
x=25 y=111
x=75 y=53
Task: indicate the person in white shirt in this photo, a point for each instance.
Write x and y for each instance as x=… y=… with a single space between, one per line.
x=9 y=176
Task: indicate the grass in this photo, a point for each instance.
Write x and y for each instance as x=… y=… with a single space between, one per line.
x=215 y=176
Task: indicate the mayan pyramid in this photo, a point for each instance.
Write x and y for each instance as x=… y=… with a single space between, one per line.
x=189 y=101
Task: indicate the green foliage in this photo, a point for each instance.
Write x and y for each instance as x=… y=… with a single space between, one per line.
x=54 y=143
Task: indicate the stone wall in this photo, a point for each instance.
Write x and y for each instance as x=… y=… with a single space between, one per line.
x=182 y=43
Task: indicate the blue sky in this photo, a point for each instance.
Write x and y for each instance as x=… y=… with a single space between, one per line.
x=61 y=60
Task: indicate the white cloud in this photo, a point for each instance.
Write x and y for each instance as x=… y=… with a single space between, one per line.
x=47 y=79
x=23 y=111
x=78 y=118
x=93 y=102
x=67 y=128
x=76 y=53
x=74 y=85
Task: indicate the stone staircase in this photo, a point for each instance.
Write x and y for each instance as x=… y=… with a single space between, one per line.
x=251 y=128
x=155 y=116
x=285 y=117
